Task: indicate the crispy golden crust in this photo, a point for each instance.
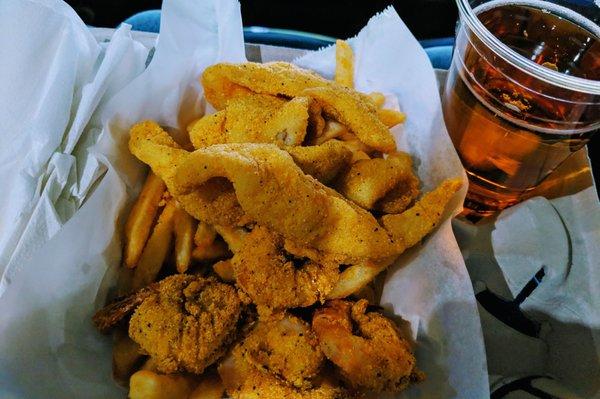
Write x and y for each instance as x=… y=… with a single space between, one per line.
x=351 y=109
x=223 y=82
x=369 y=182
x=153 y=146
x=259 y=118
x=247 y=118
x=274 y=278
x=243 y=380
x=410 y=226
x=273 y=191
x=208 y=130
x=323 y=162
x=289 y=126
x=285 y=348
x=366 y=346
x=214 y=201
x=188 y=323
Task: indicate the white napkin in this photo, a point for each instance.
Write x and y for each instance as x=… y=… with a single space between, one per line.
x=55 y=84
x=68 y=277
x=562 y=236
x=528 y=237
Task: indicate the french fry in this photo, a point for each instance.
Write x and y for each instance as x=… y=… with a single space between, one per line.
x=126 y=354
x=377 y=98
x=139 y=222
x=224 y=269
x=210 y=387
x=216 y=250
x=233 y=236
x=344 y=64
x=146 y=384
x=390 y=117
x=183 y=227
x=156 y=250
x=205 y=234
x=357 y=276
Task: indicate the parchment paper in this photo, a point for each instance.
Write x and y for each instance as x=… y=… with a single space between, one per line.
x=48 y=347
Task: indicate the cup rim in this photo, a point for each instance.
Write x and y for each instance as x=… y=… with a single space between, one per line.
x=557 y=78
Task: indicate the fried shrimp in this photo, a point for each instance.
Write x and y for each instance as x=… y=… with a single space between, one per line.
x=109 y=316
x=375 y=357
x=243 y=380
x=276 y=279
x=285 y=348
x=187 y=323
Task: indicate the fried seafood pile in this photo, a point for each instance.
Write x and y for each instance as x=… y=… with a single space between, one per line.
x=250 y=246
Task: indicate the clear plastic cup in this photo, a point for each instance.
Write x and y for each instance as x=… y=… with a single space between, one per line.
x=522 y=94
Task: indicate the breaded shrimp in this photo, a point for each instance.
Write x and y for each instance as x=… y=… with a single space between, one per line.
x=183 y=322
x=243 y=380
x=366 y=346
x=285 y=348
x=274 y=278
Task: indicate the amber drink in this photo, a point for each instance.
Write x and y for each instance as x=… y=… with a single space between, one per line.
x=522 y=95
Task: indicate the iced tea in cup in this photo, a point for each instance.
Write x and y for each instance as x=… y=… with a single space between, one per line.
x=522 y=94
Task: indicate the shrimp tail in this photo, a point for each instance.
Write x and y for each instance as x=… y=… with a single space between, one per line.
x=109 y=316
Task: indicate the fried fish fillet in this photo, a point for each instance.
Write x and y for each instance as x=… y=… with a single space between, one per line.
x=368 y=183
x=323 y=162
x=262 y=182
x=224 y=83
x=275 y=192
x=214 y=202
x=348 y=107
x=258 y=118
